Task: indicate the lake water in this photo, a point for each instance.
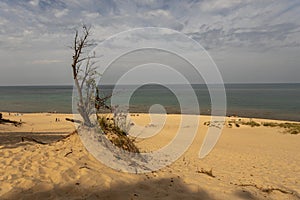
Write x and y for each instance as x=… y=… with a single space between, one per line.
x=273 y=101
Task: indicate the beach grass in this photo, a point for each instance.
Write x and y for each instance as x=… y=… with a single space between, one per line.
x=292 y=128
x=116 y=135
x=251 y=123
x=289 y=127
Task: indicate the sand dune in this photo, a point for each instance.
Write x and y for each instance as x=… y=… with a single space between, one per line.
x=247 y=163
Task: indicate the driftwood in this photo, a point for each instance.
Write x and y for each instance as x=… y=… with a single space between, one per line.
x=207 y=172
x=73 y=120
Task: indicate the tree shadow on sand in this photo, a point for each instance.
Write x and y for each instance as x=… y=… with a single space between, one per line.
x=166 y=188
x=244 y=194
x=17 y=139
x=7 y=121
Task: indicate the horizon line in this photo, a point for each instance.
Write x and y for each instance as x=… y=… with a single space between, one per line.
x=108 y=84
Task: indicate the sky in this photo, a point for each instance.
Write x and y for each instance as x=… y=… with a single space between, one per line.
x=250 y=41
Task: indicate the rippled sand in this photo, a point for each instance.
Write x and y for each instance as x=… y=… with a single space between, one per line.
x=246 y=163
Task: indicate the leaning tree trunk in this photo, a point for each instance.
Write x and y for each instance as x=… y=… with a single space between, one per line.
x=79 y=44
x=81 y=106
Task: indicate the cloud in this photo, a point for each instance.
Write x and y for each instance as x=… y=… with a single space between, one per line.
x=39 y=62
x=46 y=27
x=34 y=2
x=260 y=38
x=215 y=23
x=60 y=13
x=218 y=5
x=158 y=13
x=90 y=15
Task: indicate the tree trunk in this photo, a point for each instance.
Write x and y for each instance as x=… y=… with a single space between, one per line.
x=81 y=109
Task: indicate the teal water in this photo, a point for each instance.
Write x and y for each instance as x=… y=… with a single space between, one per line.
x=274 y=101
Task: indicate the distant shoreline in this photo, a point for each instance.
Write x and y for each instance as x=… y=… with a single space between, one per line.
x=144 y=113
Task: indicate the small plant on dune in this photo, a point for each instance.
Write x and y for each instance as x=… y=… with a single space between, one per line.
x=216 y=124
x=207 y=172
x=236 y=123
x=270 y=124
x=120 y=121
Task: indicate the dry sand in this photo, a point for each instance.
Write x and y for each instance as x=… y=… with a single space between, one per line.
x=42 y=126
x=247 y=163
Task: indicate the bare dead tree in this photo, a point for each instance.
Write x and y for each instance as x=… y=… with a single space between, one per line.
x=84 y=73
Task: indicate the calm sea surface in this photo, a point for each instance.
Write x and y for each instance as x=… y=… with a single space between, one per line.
x=274 y=101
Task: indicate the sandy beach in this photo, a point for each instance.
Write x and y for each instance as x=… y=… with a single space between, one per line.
x=44 y=126
x=247 y=163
